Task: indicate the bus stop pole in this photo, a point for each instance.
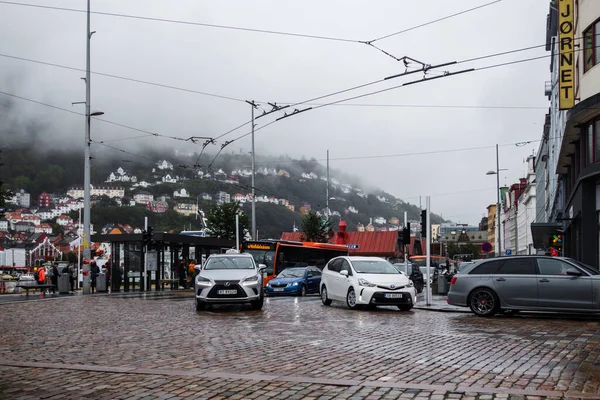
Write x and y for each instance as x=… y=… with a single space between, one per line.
x=237 y=232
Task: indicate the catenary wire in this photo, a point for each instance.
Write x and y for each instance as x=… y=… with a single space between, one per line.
x=155 y=19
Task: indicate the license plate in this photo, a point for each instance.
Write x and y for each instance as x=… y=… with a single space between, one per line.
x=278 y=289
x=393 y=295
x=227 y=291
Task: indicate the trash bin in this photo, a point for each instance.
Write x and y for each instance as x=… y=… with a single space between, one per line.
x=63 y=284
x=101 y=283
x=442 y=285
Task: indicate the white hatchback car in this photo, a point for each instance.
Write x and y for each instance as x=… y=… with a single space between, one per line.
x=369 y=281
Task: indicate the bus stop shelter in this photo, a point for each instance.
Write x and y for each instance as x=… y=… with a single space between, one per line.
x=128 y=256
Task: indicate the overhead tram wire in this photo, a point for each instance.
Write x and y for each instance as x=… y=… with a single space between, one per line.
x=161 y=85
x=146 y=133
x=155 y=19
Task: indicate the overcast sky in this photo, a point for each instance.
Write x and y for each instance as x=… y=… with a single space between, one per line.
x=276 y=68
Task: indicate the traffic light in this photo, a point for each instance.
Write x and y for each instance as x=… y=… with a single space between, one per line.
x=147 y=236
x=424 y=223
x=406 y=234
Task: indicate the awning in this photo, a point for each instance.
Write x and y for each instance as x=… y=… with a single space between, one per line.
x=542 y=233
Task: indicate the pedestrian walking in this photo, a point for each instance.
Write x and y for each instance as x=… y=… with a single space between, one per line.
x=54 y=277
x=94 y=272
x=69 y=271
x=182 y=270
x=40 y=277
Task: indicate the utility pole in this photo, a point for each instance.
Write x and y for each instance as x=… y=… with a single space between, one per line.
x=405 y=246
x=498 y=204
x=327 y=192
x=86 y=177
x=253 y=234
x=428 y=250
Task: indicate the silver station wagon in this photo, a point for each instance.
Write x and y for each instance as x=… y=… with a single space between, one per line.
x=532 y=283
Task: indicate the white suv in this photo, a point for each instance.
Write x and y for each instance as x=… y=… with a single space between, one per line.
x=369 y=281
x=229 y=278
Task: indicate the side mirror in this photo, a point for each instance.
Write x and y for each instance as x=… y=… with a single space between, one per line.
x=262 y=267
x=344 y=273
x=573 y=272
x=309 y=275
x=197 y=267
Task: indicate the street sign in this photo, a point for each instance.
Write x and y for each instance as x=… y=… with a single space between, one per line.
x=352 y=246
x=486 y=247
x=152 y=260
x=508 y=252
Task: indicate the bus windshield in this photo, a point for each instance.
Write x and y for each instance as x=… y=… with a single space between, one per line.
x=266 y=257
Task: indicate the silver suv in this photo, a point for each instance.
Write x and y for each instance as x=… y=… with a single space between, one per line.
x=229 y=278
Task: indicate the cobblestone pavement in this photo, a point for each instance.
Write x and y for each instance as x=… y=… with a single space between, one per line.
x=158 y=346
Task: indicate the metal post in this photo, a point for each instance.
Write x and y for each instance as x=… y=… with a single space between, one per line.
x=237 y=232
x=86 y=177
x=428 y=250
x=145 y=250
x=253 y=234
x=78 y=250
x=327 y=191
x=498 y=204
x=405 y=247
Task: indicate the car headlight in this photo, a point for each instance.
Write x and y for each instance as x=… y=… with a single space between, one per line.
x=203 y=281
x=410 y=284
x=364 y=282
x=253 y=280
x=294 y=284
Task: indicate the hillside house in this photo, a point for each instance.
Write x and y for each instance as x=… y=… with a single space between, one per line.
x=23 y=226
x=21 y=199
x=186 y=209
x=43 y=228
x=222 y=197
x=44 y=200
x=4 y=225
x=240 y=197
x=35 y=219
x=143 y=197
x=169 y=179
x=64 y=220
x=181 y=193
x=206 y=197
x=164 y=165
x=159 y=207
x=379 y=220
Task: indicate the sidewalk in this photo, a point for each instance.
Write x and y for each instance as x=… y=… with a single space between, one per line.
x=438 y=303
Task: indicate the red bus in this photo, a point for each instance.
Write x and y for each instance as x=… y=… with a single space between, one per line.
x=278 y=255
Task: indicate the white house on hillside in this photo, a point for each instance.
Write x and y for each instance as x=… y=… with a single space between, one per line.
x=164 y=164
x=181 y=193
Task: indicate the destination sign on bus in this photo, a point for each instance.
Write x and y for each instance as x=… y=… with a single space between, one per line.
x=258 y=246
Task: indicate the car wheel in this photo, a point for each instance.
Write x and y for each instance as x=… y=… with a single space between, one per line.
x=483 y=302
x=258 y=304
x=200 y=306
x=351 y=299
x=303 y=291
x=405 y=307
x=326 y=301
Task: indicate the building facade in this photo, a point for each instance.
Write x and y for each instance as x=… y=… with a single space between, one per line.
x=526 y=209
x=577 y=128
x=492 y=214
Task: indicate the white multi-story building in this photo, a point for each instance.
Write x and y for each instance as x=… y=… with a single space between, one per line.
x=143 y=197
x=222 y=197
x=526 y=209
x=21 y=199
x=77 y=192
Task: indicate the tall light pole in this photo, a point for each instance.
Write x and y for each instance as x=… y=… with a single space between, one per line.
x=253 y=234
x=88 y=140
x=497 y=173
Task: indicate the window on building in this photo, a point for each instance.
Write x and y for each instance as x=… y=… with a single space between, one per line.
x=591 y=46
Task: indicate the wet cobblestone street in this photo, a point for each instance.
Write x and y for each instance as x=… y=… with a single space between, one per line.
x=158 y=346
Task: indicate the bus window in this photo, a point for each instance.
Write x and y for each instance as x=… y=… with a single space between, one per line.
x=266 y=257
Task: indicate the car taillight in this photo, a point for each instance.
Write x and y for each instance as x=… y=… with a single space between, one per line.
x=453 y=280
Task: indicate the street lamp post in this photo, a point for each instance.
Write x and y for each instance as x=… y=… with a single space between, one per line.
x=88 y=141
x=497 y=173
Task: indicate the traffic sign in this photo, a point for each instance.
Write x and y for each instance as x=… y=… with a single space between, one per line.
x=352 y=246
x=486 y=247
x=508 y=252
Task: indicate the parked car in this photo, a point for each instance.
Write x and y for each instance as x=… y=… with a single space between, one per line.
x=369 y=281
x=532 y=283
x=298 y=281
x=229 y=278
x=414 y=274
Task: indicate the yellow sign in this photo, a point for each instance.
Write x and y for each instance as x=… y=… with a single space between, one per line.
x=258 y=246
x=566 y=54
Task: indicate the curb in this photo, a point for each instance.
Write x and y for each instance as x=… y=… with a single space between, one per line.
x=441 y=309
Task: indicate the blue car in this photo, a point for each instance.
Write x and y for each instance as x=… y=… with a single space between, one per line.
x=298 y=281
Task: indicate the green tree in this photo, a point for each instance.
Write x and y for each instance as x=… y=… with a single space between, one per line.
x=5 y=194
x=315 y=228
x=221 y=220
